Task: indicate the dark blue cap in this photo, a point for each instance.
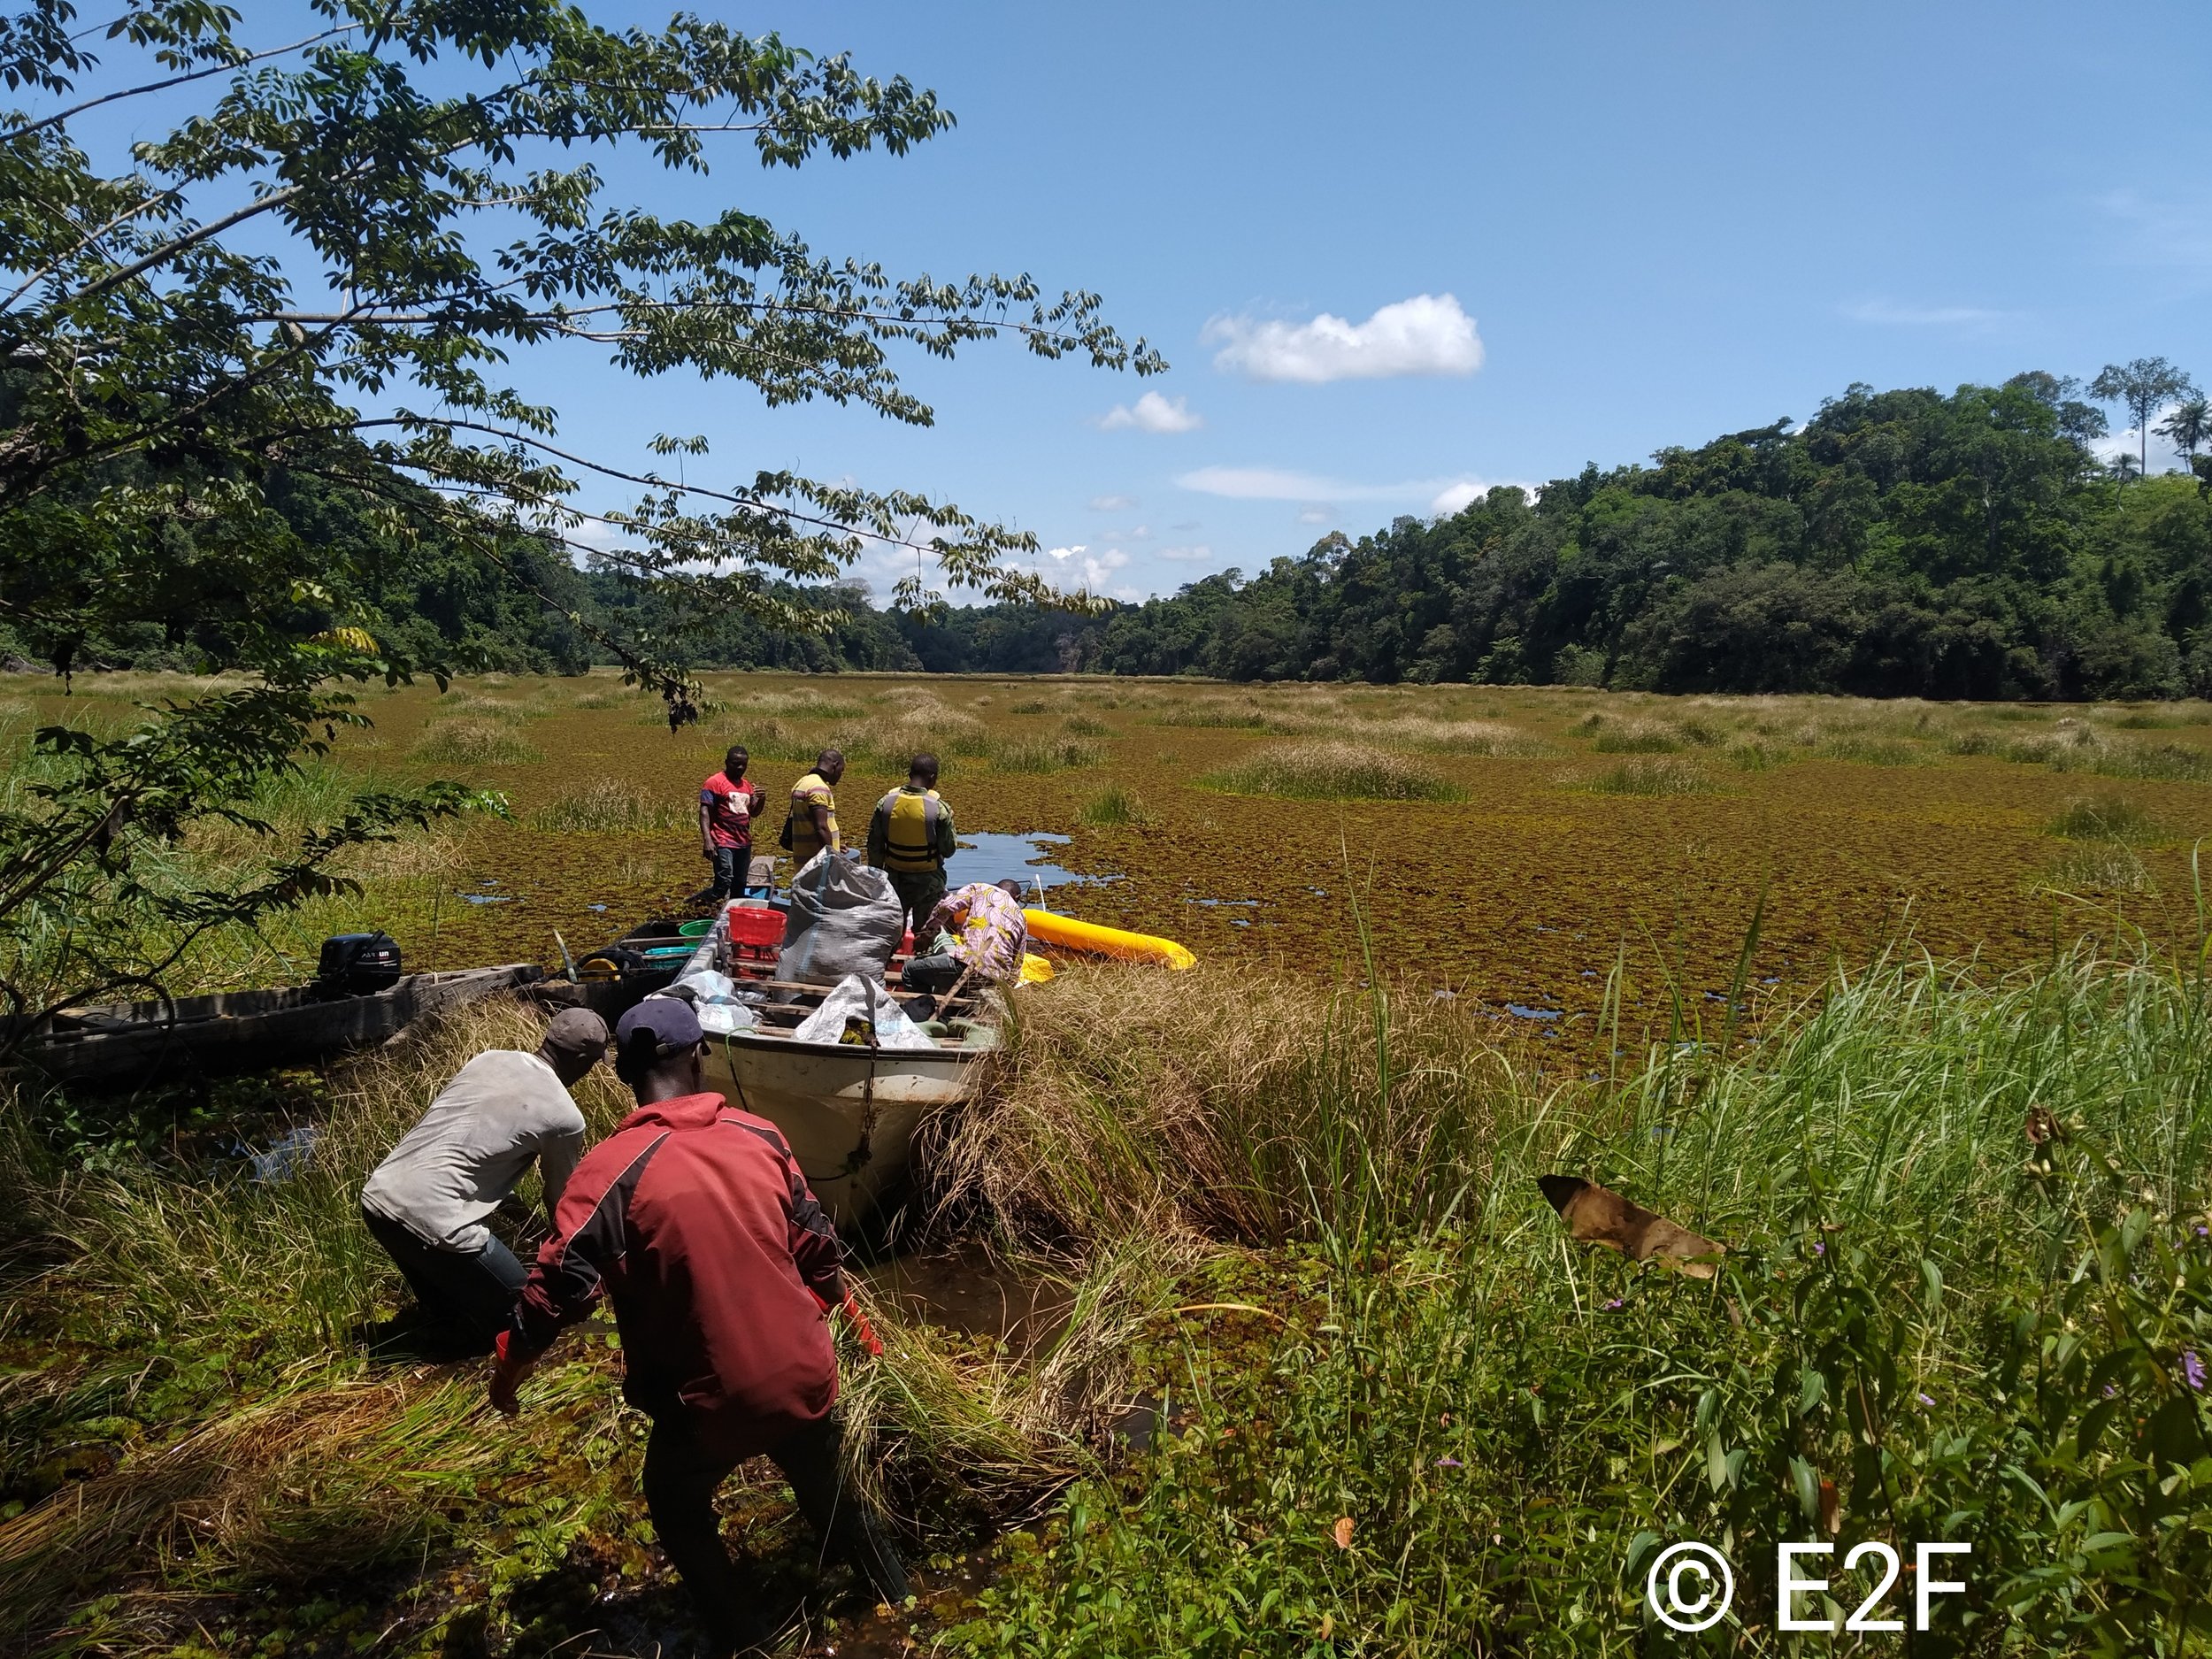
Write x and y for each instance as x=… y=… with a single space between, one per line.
x=673 y=1026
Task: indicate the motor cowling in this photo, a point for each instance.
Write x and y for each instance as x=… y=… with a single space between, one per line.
x=358 y=965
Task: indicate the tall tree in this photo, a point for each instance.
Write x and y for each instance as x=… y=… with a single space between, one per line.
x=2188 y=427
x=2142 y=387
x=321 y=274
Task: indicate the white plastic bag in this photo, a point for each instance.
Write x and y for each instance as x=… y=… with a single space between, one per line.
x=865 y=998
x=714 y=997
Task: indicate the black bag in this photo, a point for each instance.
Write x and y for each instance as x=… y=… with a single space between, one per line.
x=358 y=965
x=784 y=839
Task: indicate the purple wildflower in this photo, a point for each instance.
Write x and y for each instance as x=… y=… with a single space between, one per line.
x=1925 y=1400
x=1617 y=1303
x=1819 y=1247
x=2192 y=1369
x=1449 y=1463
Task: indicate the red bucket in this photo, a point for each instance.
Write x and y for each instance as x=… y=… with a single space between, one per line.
x=755 y=929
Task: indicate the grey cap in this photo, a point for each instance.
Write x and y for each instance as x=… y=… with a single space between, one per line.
x=576 y=1030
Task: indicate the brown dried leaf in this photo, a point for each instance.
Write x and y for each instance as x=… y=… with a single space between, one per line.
x=1342 y=1532
x=1596 y=1215
x=1831 y=1509
x=2043 y=1126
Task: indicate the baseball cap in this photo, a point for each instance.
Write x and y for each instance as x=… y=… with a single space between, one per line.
x=666 y=1022
x=577 y=1031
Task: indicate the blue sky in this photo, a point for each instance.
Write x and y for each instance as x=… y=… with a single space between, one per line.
x=1546 y=234
x=1664 y=222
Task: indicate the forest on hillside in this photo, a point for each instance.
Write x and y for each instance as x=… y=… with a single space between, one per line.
x=1897 y=544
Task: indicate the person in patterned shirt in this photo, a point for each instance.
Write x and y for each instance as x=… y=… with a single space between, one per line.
x=976 y=933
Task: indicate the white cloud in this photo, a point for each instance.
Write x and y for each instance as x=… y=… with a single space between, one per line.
x=1096 y=567
x=2112 y=446
x=1269 y=483
x=1452 y=498
x=1316 y=491
x=1187 y=555
x=1886 y=313
x=1068 y=552
x=1426 y=335
x=1152 y=413
x=1112 y=504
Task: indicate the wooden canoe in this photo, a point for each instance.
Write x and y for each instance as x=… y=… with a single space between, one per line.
x=130 y=1045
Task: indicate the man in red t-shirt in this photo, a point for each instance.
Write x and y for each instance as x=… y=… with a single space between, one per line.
x=694 y=1220
x=728 y=802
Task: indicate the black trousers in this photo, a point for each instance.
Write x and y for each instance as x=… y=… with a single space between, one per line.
x=918 y=891
x=469 y=1295
x=681 y=1481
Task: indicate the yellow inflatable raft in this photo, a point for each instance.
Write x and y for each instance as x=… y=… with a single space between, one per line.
x=1049 y=928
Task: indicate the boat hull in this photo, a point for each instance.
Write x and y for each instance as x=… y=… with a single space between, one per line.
x=850 y=1114
x=131 y=1045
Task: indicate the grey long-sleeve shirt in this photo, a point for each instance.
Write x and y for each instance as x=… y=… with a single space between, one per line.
x=503 y=1111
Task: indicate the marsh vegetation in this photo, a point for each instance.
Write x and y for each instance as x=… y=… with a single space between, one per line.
x=1321 y=1373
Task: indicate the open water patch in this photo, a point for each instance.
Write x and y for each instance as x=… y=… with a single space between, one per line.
x=988 y=855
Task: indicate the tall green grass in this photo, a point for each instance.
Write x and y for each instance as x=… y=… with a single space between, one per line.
x=469 y=740
x=1653 y=775
x=1305 y=1220
x=1047 y=755
x=263 y=1464
x=611 y=807
x=1324 y=770
x=1447 y=1430
x=2108 y=819
x=2100 y=867
x=1114 y=807
x=2073 y=746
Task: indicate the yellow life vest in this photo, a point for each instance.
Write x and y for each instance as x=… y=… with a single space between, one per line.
x=909 y=830
x=808 y=793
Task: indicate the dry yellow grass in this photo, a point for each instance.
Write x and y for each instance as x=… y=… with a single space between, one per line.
x=1135 y=1102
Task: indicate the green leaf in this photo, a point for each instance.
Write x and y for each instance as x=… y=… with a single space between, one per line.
x=1807 y=1480
x=1812 y=1389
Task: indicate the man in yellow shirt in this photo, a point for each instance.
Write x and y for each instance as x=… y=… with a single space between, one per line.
x=911 y=836
x=812 y=823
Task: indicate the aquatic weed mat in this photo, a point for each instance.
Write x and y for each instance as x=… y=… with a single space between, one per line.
x=1592 y=823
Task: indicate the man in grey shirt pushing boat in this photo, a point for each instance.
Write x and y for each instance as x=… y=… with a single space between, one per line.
x=428 y=1201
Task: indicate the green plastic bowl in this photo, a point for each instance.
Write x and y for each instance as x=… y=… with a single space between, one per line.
x=694 y=930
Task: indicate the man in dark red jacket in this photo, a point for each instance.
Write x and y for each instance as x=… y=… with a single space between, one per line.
x=694 y=1220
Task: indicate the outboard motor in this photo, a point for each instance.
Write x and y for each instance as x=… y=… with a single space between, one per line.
x=358 y=965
